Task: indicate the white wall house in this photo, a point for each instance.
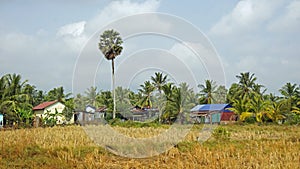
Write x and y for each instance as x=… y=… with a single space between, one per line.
x=45 y=108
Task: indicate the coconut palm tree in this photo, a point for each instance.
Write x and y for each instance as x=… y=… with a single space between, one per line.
x=207 y=90
x=110 y=45
x=272 y=97
x=122 y=100
x=104 y=98
x=241 y=108
x=79 y=102
x=57 y=94
x=175 y=104
x=277 y=109
x=220 y=94
x=246 y=84
x=91 y=94
x=259 y=107
x=134 y=98
x=290 y=90
x=146 y=89
x=233 y=93
x=13 y=96
x=159 y=80
x=290 y=93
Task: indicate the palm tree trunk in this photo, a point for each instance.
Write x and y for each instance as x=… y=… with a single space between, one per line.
x=113 y=85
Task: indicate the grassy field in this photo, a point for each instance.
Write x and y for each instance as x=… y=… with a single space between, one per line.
x=232 y=146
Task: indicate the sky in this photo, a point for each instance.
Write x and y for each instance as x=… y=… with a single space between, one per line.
x=54 y=43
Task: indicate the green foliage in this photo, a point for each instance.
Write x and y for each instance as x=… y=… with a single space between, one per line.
x=51 y=119
x=221 y=133
x=90 y=95
x=186 y=146
x=134 y=124
x=110 y=44
x=146 y=90
x=249 y=120
x=220 y=94
x=174 y=102
x=69 y=109
x=293 y=119
x=207 y=91
x=104 y=98
x=159 y=80
x=57 y=94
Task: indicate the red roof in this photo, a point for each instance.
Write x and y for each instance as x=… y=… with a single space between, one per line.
x=101 y=109
x=42 y=106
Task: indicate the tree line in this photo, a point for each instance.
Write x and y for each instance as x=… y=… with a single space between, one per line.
x=249 y=100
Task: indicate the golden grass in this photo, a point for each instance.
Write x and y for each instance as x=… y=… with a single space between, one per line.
x=247 y=146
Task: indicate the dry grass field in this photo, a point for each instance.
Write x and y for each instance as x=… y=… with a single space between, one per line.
x=231 y=146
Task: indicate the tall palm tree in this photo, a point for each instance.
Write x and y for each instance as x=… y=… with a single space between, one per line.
x=13 y=96
x=146 y=89
x=272 y=97
x=233 y=93
x=159 y=80
x=240 y=107
x=246 y=84
x=79 y=102
x=176 y=103
x=220 y=94
x=104 y=98
x=290 y=93
x=207 y=90
x=259 y=89
x=134 y=98
x=259 y=107
x=179 y=101
x=57 y=94
x=277 y=109
x=290 y=90
x=15 y=84
x=188 y=95
x=91 y=94
x=110 y=45
x=122 y=95
x=122 y=100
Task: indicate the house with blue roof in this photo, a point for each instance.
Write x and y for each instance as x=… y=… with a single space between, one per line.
x=212 y=113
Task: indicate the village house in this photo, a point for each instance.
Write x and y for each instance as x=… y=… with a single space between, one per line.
x=212 y=113
x=90 y=115
x=44 y=109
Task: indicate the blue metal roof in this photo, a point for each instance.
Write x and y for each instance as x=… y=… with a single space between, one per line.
x=210 y=107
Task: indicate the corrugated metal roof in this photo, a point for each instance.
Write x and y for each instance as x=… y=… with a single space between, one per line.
x=210 y=107
x=197 y=108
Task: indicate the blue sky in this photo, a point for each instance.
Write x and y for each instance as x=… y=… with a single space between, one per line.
x=41 y=40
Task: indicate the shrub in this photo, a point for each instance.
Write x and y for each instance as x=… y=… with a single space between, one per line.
x=221 y=133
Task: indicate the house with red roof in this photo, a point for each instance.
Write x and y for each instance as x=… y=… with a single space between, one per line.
x=43 y=110
x=213 y=113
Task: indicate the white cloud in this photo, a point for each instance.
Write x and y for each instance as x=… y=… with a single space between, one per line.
x=74 y=29
x=202 y=60
x=75 y=35
x=289 y=22
x=53 y=57
x=246 y=16
x=260 y=37
x=119 y=9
